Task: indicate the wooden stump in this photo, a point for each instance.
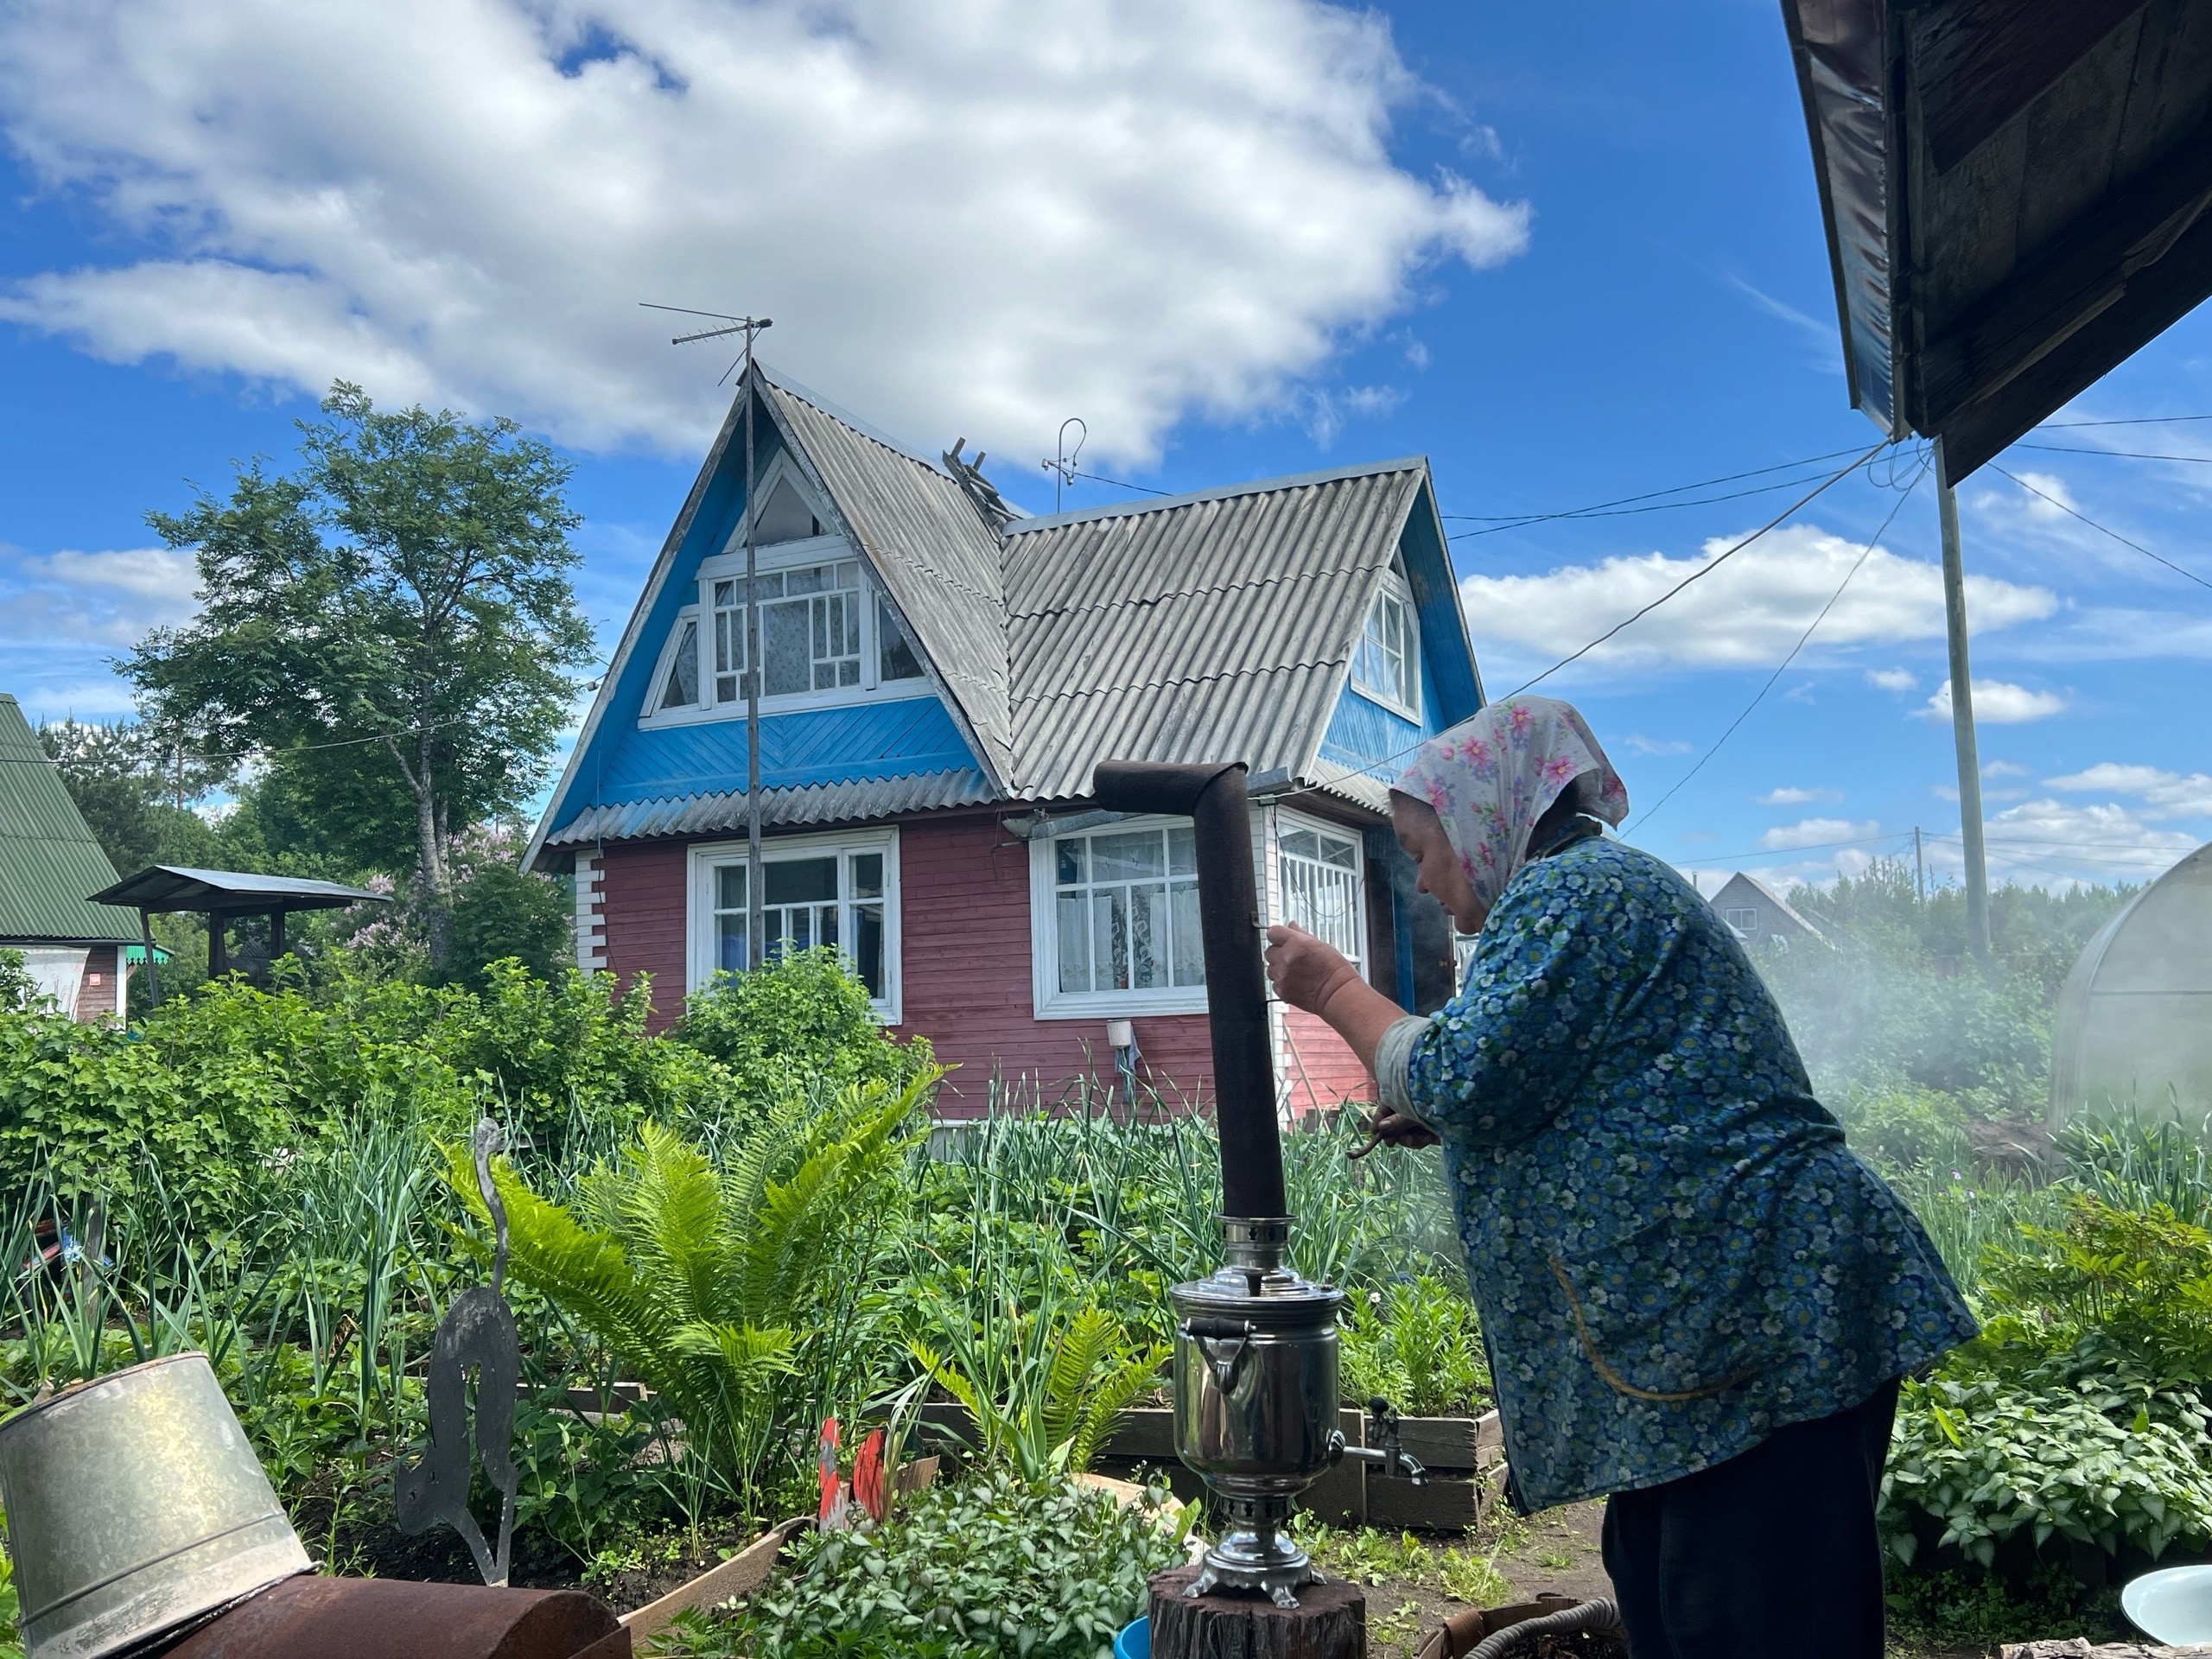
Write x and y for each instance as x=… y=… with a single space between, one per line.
x=1330 y=1622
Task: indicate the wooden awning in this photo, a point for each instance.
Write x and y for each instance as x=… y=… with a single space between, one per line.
x=2016 y=193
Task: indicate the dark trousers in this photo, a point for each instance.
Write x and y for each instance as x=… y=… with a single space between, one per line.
x=1773 y=1552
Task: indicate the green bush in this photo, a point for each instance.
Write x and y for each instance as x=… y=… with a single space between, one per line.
x=802 y=1018
x=1985 y=1458
x=985 y=1569
x=1905 y=1127
x=2135 y=1286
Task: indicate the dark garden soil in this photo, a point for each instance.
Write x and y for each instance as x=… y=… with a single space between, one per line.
x=367 y=1544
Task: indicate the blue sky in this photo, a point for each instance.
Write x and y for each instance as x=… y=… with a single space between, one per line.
x=1571 y=254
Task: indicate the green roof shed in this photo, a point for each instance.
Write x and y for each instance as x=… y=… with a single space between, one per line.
x=49 y=863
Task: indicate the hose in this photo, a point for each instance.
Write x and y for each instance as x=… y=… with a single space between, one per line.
x=1599 y=1615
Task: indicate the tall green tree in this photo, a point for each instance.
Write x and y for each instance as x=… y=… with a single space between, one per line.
x=392 y=624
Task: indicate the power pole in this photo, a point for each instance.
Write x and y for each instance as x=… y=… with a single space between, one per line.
x=1955 y=618
x=755 y=947
x=1919 y=870
x=755 y=920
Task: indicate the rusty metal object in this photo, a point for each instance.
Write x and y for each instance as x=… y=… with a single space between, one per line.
x=478 y=1332
x=135 y=1504
x=390 y=1618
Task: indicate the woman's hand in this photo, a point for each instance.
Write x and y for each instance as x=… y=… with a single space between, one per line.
x=1304 y=971
x=1390 y=1129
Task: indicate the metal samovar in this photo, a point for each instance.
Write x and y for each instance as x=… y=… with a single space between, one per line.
x=1255 y=1344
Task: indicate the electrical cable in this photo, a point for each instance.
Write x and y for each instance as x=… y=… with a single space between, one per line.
x=1704 y=570
x=2112 y=454
x=2093 y=524
x=1511 y=519
x=2138 y=420
x=1758 y=698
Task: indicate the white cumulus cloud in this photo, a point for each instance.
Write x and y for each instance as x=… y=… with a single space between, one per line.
x=2164 y=794
x=965 y=220
x=1998 y=703
x=1788 y=796
x=1818 y=832
x=1893 y=679
x=1750 y=611
x=72 y=600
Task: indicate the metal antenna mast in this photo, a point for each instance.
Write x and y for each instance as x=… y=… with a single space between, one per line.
x=751 y=327
x=1062 y=466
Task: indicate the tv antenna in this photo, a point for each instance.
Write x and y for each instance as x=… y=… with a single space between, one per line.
x=1062 y=466
x=749 y=327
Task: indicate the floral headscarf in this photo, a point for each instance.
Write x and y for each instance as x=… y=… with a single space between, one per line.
x=1494 y=774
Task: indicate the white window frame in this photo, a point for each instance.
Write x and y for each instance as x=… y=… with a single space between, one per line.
x=1048 y=1001
x=1394 y=590
x=782 y=556
x=706 y=856
x=1286 y=822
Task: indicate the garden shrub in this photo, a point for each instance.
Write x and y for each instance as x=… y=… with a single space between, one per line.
x=1986 y=1458
x=987 y=1567
x=2134 y=1285
x=801 y=1018
x=1905 y=1126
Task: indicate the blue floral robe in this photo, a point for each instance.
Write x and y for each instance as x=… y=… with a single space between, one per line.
x=1672 y=1250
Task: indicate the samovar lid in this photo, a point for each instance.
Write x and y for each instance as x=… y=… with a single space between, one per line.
x=1270 y=1300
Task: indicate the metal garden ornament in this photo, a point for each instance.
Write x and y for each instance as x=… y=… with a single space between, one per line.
x=477 y=1333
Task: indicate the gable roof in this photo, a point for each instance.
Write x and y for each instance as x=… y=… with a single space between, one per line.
x=1195 y=626
x=1184 y=628
x=49 y=863
x=1766 y=895
x=929 y=546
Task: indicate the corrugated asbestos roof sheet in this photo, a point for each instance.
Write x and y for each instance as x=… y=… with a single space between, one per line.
x=49 y=861
x=941 y=561
x=695 y=814
x=1194 y=630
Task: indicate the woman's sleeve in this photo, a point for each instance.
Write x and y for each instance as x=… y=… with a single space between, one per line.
x=1500 y=1060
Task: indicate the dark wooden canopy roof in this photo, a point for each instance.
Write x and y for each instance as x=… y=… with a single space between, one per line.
x=173 y=887
x=2016 y=193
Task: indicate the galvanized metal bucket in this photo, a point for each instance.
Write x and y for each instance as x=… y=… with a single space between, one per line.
x=135 y=1504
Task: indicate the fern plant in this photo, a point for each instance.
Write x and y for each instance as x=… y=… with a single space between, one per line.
x=716 y=1283
x=1017 y=1334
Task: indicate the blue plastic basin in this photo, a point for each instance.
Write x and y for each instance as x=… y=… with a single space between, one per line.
x=1135 y=1642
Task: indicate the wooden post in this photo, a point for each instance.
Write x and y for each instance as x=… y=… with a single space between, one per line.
x=1330 y=1622
x=1962 y=732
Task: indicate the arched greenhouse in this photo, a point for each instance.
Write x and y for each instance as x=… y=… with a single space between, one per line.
x=2135 y=1020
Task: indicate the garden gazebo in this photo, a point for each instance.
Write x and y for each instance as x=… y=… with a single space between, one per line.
x=222 y=895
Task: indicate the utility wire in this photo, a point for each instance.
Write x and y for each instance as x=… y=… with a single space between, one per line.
x=1759 y=697
x=1704 y=570
x=2100 y=529
x=2141 y=420
x=2113 y=454
x=1100 y=478
x=1511 y=519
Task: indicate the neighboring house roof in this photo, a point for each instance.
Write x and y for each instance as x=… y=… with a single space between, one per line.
x=1741 y=888
x=1188 y=627
x=177 y=886
x=49 y=863
x=1196 y=626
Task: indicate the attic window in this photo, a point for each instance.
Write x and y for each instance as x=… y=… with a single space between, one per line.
x=1385 y=664
x=784 y=517
x=682 y=691
x=899 y=660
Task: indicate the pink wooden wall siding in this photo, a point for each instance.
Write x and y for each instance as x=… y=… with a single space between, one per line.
x=964 y=928
x=964 y=938
x=1323 y=1073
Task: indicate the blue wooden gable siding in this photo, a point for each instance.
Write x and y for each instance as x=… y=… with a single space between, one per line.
x=814 y=746
x=625 y=764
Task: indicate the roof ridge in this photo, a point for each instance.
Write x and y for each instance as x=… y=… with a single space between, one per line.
x=845 y=418
x=1224 y=493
